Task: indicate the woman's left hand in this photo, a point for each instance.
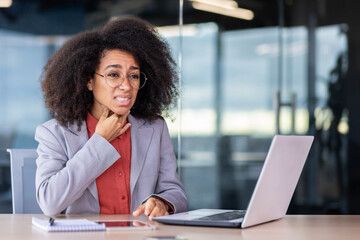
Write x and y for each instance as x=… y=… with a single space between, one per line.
x=153 y=207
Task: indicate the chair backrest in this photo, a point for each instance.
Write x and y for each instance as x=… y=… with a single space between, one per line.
x=23 y=168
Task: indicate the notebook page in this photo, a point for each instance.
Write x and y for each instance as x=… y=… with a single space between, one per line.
x=66 y=225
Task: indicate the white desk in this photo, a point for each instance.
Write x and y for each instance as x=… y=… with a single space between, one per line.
x=296 y=227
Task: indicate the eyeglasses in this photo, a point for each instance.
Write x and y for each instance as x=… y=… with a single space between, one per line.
x=114 y=78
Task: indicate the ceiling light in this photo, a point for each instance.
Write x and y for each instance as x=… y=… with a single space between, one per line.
x=224 y=9
x=229 y=4
x=5 y=3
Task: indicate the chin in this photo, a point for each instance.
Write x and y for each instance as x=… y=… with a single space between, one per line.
x=121 y=111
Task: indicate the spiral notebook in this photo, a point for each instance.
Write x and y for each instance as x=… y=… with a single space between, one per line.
x=68 y=225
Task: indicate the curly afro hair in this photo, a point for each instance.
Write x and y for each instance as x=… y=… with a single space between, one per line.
x=66 y=74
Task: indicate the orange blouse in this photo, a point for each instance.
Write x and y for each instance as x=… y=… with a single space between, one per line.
x=113 y=185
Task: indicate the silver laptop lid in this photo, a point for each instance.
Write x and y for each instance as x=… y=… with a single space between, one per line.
x=278 y=179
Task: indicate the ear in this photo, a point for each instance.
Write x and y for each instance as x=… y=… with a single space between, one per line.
x=89 y=84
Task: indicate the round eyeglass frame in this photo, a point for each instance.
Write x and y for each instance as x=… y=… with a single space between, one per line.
x=104 y=76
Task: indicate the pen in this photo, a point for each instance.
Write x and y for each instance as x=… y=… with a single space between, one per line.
x=51 y=221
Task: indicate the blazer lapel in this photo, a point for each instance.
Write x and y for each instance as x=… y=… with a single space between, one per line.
x=75 y=140
x=140 y=141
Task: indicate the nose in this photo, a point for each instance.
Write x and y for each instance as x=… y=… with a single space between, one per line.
x=125 y=85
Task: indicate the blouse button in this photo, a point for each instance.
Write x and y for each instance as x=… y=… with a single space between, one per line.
x=120 y=174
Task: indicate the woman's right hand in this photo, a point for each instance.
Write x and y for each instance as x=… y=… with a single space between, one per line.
x=110 y=127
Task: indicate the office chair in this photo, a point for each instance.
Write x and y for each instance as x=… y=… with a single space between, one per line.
x=23 y=168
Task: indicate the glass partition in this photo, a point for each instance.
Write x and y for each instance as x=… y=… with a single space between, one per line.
x=242 y=81
x=258 y=76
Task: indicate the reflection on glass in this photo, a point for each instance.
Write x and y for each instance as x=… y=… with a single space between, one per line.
x=248 y=73
x=248 y=76
x=198 y=71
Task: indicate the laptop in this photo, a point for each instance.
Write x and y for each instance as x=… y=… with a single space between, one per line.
x=273 y=191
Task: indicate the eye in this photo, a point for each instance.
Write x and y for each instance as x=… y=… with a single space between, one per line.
x=134 y=76
x=113 y=75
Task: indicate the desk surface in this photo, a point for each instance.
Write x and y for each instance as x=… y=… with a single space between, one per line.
x=298 y=227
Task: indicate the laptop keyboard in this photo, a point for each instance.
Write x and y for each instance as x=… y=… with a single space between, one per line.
x=225 y=216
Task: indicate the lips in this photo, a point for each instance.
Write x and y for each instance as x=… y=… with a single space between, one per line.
x=123 y=101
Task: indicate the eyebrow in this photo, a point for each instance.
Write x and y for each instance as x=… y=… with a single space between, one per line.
x=119 y=66
x=113 y=66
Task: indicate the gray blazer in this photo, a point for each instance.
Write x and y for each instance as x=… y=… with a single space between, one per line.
x=69 y=163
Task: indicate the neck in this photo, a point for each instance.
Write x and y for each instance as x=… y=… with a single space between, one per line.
x=95 y=112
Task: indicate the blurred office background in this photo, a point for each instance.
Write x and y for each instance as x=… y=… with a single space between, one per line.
x=249 y=69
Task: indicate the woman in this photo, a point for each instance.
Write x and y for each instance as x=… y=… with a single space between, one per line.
x=107 y=150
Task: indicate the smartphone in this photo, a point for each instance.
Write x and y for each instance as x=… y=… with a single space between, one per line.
x=126 y=225
x=165 y=238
